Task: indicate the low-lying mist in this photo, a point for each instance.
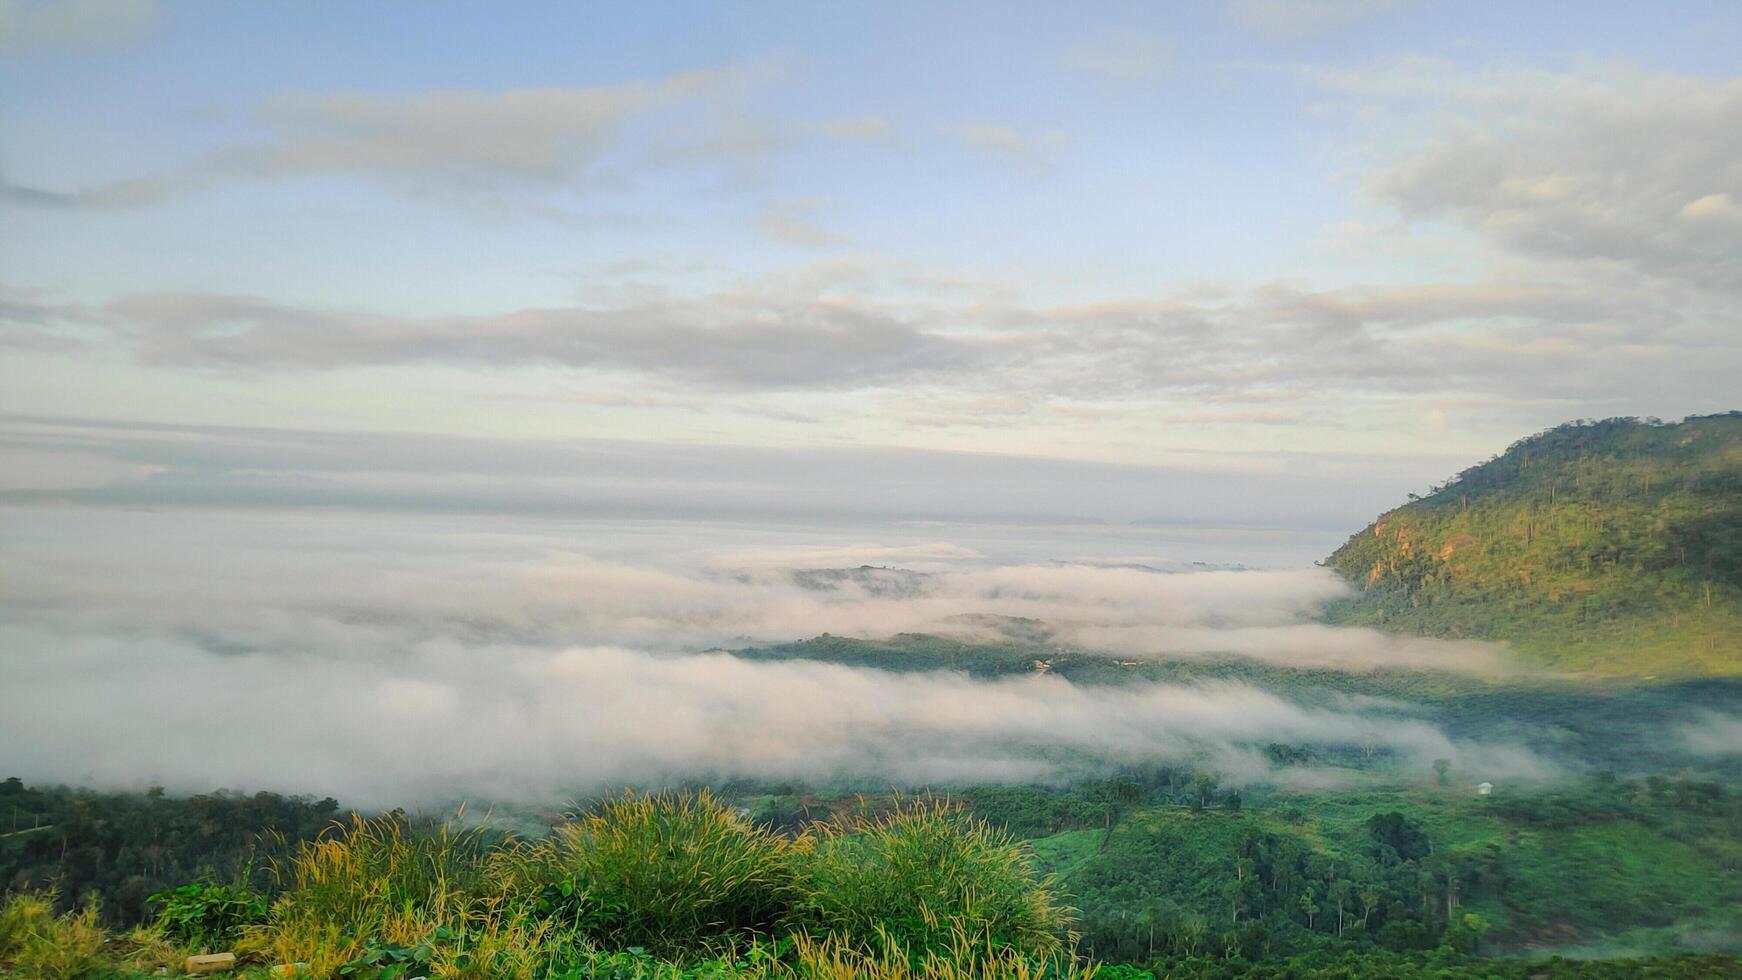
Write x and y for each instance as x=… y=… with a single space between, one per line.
x=405 y=660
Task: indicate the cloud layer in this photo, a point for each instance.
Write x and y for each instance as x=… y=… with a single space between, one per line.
x=1607 y=164
x=395 y=660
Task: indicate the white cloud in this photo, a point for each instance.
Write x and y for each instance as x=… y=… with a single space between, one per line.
x=1714 y=733
x=791 y=221
x=1127 y=56
x=28 y=24
x=1609 y=165
x=493 y=150
x=1032 y=154
x=406 y=661
x=1713 y=207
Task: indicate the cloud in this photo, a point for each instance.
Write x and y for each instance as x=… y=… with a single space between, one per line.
x=1581 y=344
x=1297 y=505
x=1714 y=733
x=483 y=149
x=1552 y=165
x=671 y=592
x=721 y=340
x=790 y=221
x=32 y=24
x=1032 y=155
x=1126 y=56
x=457 y=143
x=544 y=135
x=1293 y=20
x=515 y=724
x=405 y=661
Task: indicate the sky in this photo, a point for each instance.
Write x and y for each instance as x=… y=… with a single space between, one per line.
x=1256 y=261
x=479 y=372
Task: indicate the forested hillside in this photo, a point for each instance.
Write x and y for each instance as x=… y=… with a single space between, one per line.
x=1613 y=547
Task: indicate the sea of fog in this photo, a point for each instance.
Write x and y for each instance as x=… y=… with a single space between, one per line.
x=407 y=658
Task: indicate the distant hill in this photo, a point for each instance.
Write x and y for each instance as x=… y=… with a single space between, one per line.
x=1612 y=547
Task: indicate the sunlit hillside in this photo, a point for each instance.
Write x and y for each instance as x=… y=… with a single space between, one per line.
x=1612 y=546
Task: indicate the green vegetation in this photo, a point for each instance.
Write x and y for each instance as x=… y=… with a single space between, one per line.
x=1610 y=548
x=1404 y=870
x=920 y=876
x=718 y=876
x=206 y=916
x=673 y=884
x=36 y=943
x=1613 y=547
x=125 y=848
x=1175 y=875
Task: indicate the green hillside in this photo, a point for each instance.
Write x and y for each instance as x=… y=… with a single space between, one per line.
x=1613 y=547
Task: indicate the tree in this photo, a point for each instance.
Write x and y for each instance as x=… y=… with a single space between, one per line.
x=1309 y=905
x=1370 y=899
x=1477 y=926
x=1341 y=892
x=1441 y=768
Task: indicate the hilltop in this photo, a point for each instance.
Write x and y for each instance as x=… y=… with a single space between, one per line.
x=1609 y=546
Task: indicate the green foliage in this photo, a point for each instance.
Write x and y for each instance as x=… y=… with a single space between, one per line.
x=389 y=879
x=203 y=915
x=1393 y=882
x=125 y=847
x=665 y=872
x=1439 y=964
x=927 y=876
x=37 y=944
x=1658 y=861
x=1613 y=547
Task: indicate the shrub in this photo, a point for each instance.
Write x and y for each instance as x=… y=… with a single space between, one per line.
x=670 y=872
x=386 y=879
x=36 y=943
x=927 y=878
x=207 y=916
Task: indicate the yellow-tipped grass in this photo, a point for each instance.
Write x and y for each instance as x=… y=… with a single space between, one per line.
x=35 y=943
x=383 y=878
x=965 y=957
x=671 y=872
x=927 y=877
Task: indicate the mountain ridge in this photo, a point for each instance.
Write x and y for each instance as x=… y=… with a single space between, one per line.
x=1608 y=547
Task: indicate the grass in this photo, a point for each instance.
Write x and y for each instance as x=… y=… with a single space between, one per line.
x=385 y=879
x=677 y=886
x=684 y=887
x=36 y=944
x=667 y=872
x=928 y=876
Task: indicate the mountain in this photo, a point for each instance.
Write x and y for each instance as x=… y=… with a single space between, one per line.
x=1612 y=547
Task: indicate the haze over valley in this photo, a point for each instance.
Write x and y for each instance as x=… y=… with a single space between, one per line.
x=956 y=491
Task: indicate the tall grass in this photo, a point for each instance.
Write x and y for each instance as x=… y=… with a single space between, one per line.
x=669 y=872
x=383 y=878
x=928 y=879
x=36 y=944
x=665 y=885
x=965 y=957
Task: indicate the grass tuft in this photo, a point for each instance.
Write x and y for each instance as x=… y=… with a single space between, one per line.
x=667 y=872
x=39 y=945
x=928 y=878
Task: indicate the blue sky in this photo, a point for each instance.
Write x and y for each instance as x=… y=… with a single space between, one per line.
x=1367 y=240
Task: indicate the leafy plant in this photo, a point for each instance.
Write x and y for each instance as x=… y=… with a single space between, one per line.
x=208 y=916
x=392 y=961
